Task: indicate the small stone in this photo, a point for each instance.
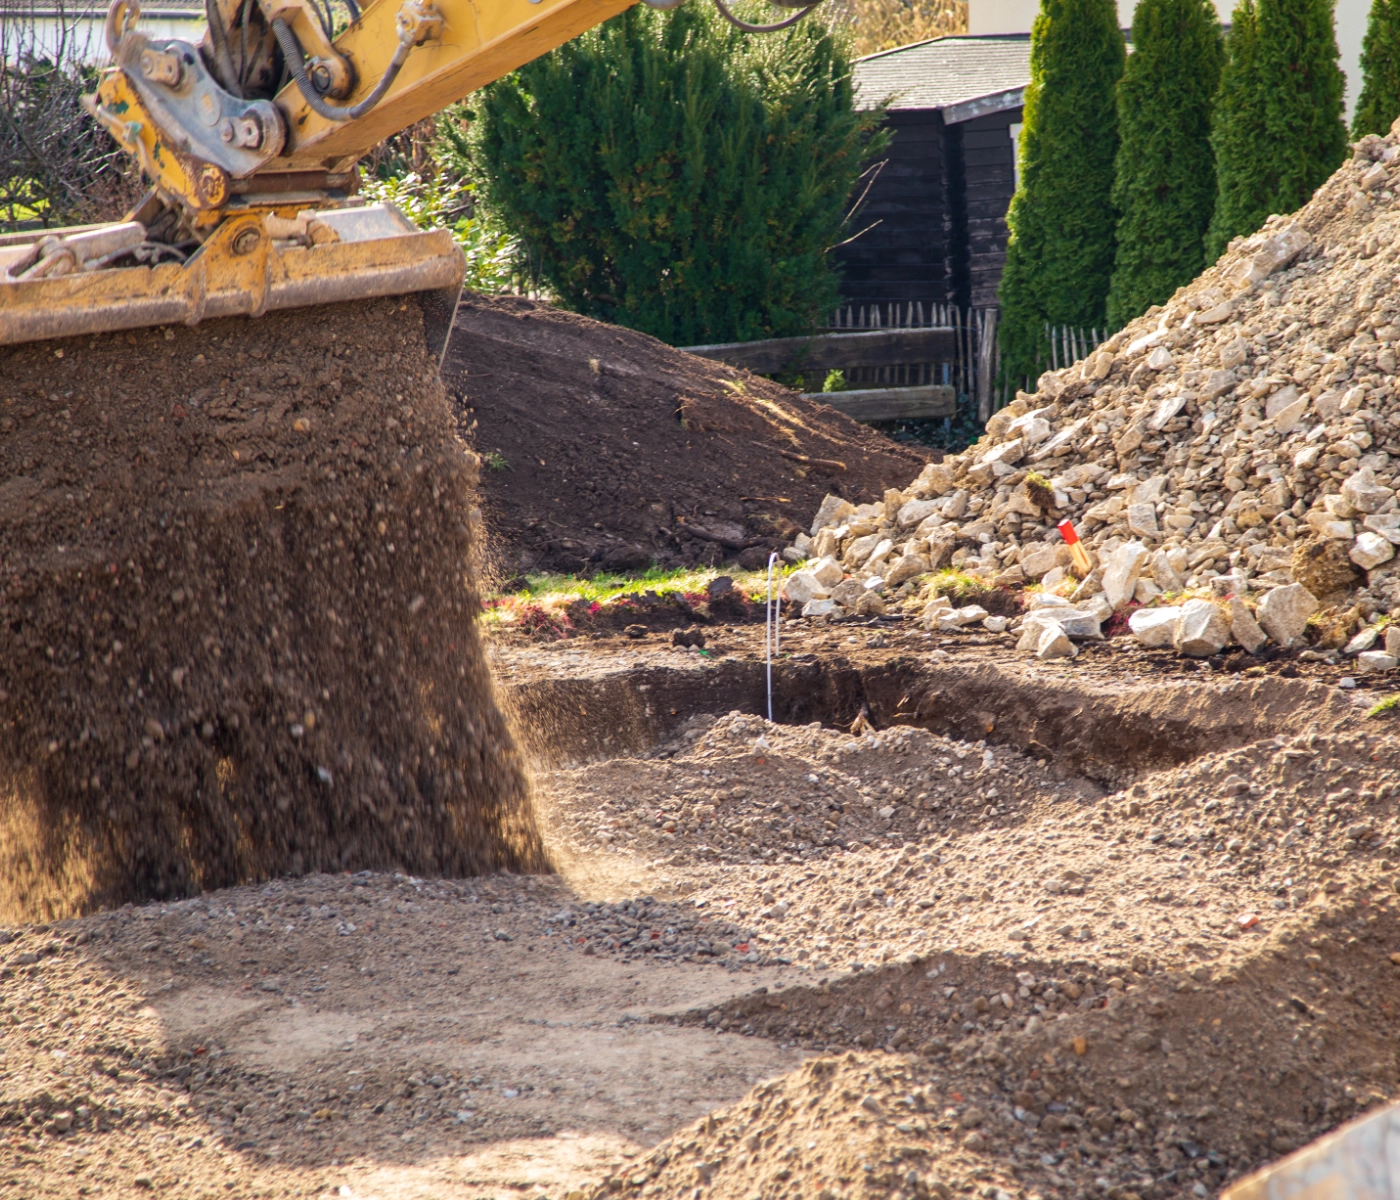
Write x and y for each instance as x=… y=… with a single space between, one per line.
x=1284 y=612
x=802 y=586
x=1362 y=641
x=1364 y=494
x=1142 y=520
x=1244 y=628
x=1145 y=591
x=972 y=1117
x=1375 y=660
x=1120 y=574
x=975 y=1142
x=1032 y=628
x=910 y=566
x=1370 y=550
x=832 y=511
x=827 y=572
x=1286 y=416
x=62 y=1122
x=969 y=614
x=1154 y=626
x=917 y=510
x=1202 y=629
x=995 y=624
x=1038 y=561
x=821 y=608
x=1392 y=640
x=1007 y=454
x=869 y=604
x=1053 y=643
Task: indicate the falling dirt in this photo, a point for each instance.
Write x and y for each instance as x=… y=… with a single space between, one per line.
x=237 y=617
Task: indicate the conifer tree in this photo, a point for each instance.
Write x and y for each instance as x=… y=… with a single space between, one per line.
x=1278 y=130
x=673 y=174
x=1164 y=179
x=1059 y=259
x=1379 y=103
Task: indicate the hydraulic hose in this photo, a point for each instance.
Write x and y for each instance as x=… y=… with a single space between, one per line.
x=748 y=27
x=296 y=64
x=219 y=36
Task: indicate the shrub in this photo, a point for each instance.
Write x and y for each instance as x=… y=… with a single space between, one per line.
x=672 y=174
x=57 y=166
x=1059 y=259
x=1379 y=103
x=1164 y=180
x=1278 y=129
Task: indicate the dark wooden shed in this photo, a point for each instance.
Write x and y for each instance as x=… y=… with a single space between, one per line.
x=933 y=225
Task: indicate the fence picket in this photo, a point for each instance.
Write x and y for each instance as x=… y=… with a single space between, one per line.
x=974 y=368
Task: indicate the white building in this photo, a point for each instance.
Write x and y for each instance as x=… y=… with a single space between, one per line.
x=1015 y=16
x=74 y=30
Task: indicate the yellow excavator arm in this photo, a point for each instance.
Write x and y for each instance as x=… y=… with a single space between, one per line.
x=250 y=141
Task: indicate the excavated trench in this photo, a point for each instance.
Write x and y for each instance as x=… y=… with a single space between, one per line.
x=1108 y=733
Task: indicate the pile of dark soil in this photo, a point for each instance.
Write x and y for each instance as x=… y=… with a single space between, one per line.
x=237 y=622
x=608 y=450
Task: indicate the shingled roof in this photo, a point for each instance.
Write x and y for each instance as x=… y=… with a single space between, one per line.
x=963 y=76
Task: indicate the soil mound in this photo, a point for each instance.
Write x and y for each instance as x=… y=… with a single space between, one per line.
x=237 y=618
x=608 y=450
x=1102 y=1086
x=1241 y=437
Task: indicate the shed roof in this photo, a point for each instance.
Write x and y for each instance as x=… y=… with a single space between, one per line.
x=964 y=76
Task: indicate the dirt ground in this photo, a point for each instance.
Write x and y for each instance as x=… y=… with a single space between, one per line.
x=1014 y=947
x=606 y=449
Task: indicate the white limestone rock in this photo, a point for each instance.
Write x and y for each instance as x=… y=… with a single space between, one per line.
x=1284 y=612
x=1120 y=573
x=1202 y=629
x=1370 y=550
x=1154 y=627
x=1244 y=628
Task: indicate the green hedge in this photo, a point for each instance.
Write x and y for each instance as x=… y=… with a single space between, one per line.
x=1164 y=183
x=1059 y=259
x=1278 y=131
x=1379 y=103
x=674 y=175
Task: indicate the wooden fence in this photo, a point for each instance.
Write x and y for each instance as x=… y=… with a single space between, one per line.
x=970 y=368
x=1069 y=345
x=905 y=360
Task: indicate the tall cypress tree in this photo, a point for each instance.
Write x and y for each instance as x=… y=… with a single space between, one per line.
x=1164 y=181
x=1379 y=104
x=1060 y=256
x=1278 y=130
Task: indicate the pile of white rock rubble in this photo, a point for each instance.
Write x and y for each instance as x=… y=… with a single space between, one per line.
x=1229 y=461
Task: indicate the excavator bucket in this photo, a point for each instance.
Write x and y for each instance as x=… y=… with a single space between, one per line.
x=1359 y=1161
x=63 y=283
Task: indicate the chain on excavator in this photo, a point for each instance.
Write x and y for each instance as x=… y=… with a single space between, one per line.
x=250 y=140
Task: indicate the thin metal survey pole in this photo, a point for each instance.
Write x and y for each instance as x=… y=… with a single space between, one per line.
x=770 y=630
